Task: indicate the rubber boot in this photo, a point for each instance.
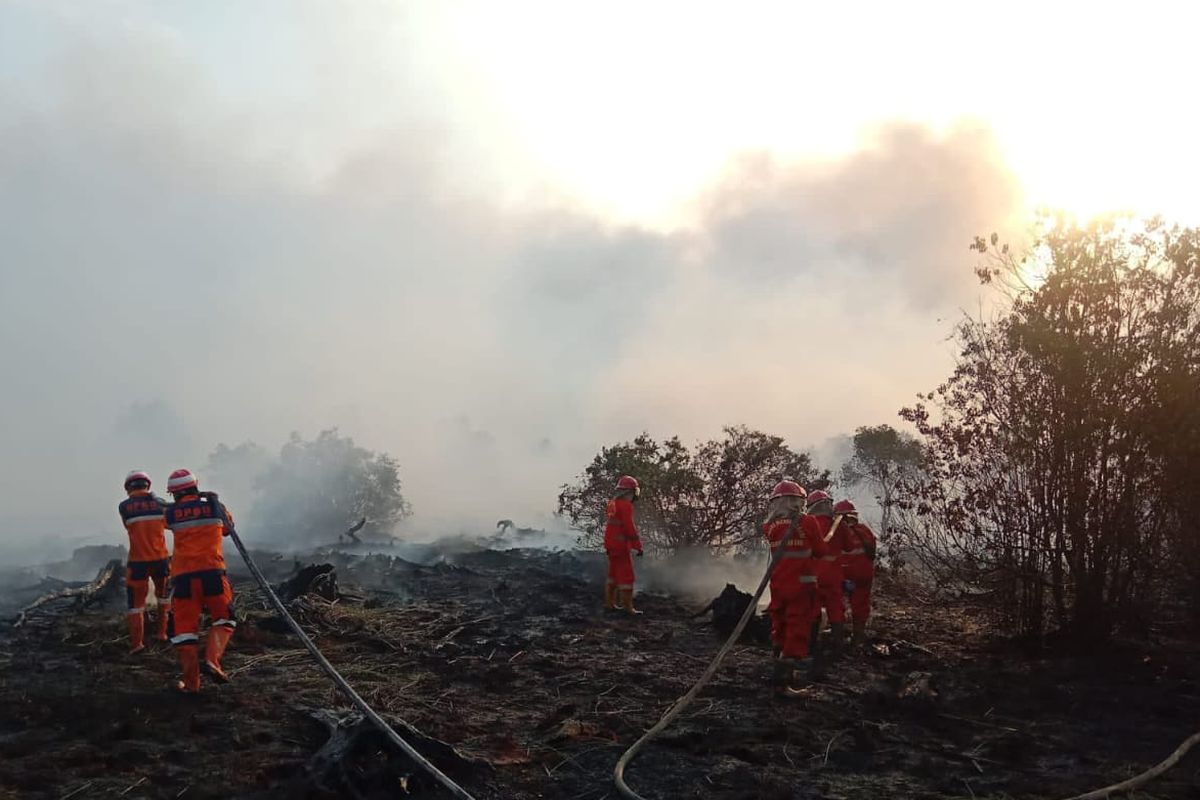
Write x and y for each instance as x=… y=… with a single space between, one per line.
x=137 y=632
x=627 y=603
x=837 y=635
x=214 y=647
x=610 y=597
x=859 y=638
x=781 y=670
x=189 y=659
x=795 y=685
x=164 y=615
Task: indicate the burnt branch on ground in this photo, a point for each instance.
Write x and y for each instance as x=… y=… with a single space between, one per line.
x=358 y=761
x=106 y=586
x=318 y=579
x=351 y=533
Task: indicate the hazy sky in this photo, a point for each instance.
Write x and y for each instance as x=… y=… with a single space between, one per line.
x=490 y=237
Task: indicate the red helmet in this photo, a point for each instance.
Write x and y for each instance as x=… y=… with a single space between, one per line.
x=845 y=508
x=137 y=476
x=787 y=489
x=817 y=497
x=627 y=482
x=181 y=480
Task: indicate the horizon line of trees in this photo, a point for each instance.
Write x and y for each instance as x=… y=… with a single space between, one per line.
x=713 y=495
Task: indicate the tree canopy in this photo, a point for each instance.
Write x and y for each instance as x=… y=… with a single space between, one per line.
x=711 y=496
x=881 y=459
x=315 y=489
x=1060 y=456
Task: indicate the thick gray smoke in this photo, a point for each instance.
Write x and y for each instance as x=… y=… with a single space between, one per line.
x=181 y=267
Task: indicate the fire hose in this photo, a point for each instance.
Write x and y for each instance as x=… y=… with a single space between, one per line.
x=677 y=708
x=683 y=702
x=330 y=670
x=1140 y=780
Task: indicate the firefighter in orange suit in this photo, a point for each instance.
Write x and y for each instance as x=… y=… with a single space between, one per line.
x=620 y=542
x=144 y=516
x=858 y=568
x=829 y=575
x=199 y=523
x=793 y=582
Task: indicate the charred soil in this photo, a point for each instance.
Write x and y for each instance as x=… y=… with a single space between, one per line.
x=516 y=684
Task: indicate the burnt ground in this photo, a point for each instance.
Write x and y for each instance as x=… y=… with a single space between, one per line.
x=507 y=657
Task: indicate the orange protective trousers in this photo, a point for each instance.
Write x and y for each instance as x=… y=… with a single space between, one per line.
x=793 y=608
x=829 y=591
x=138 y=575
x=860 y=570
x=620 y=569
x=198 y=591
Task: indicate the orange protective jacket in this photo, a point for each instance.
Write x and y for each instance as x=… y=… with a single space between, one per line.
x=859 y=555
x=198 y=525
x=145 y=521
x=829 y=568
x=797 y=565
x=620 y=533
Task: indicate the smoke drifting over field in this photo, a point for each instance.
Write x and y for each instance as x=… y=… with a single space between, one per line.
x=183 y=267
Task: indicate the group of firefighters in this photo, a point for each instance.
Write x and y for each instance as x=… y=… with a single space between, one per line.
x=827 y=558
x=186 y=582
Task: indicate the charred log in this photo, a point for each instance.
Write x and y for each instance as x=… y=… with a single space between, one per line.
x=106 y=586
x=318 y=579
x=358 y=761
x=352 y=532
x=506 y=530
x=727 y=608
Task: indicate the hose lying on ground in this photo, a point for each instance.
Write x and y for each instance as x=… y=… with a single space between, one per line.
x=1145 y=777
x=683 y=702
x=336 y=677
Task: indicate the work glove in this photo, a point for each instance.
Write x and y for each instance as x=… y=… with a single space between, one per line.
x=848 y=586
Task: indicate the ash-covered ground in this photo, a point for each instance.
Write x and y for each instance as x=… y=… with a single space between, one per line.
x=506 y=657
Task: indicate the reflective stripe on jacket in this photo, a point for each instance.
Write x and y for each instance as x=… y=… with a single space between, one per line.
x=800 y=551
x=199 y=526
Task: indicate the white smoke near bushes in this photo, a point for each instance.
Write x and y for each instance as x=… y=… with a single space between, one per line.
x=174 y=278
x=699 y=576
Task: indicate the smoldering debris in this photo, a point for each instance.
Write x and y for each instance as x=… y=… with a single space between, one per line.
x=505 y=659
x=355 y=761
x=315 y=579
x=104 y=589
x=727 y=610
x=20 y=586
